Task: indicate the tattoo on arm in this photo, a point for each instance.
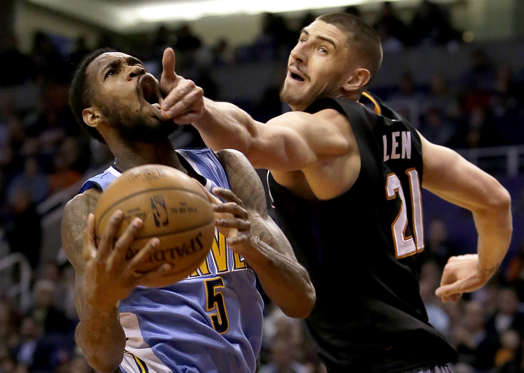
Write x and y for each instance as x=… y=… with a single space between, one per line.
x=73 y=223
x=246 y=184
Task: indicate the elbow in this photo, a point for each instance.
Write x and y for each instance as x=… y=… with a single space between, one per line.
x=305 y=306
x=94 y=359
x=500 y=201
x=101 y=366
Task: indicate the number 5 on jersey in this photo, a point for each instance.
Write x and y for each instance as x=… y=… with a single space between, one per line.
x=406 y=245
x=215 y=302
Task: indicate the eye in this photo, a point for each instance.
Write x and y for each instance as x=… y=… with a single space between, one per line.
x=323 y=50
x=109 y=73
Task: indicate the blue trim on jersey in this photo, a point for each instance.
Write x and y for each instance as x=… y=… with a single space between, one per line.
x=175 y=321
x=212 y=168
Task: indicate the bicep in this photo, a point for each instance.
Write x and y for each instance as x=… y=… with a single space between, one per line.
x=451 y=177
x=294 y=140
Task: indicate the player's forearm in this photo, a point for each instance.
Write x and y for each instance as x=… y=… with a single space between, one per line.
x=101 y=338
x=226 y=126
x=284 y=280
x=494 y=226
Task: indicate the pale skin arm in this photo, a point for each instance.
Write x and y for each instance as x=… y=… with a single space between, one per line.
x=260 y=241
x=458 y=181
x=289 y=142
x=102 y=278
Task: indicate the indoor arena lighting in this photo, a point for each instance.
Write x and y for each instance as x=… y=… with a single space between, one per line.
x=132 y=16
x=191 y=10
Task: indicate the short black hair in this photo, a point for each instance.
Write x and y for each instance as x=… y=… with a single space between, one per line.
x=80 y=93
x=361 y=36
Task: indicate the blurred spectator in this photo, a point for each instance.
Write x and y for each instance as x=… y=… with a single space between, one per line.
x=44 y=310
x=509 y=344
x=516 y=365
x=515 y=272
x=79 y=51
x=79 y=365
x=30 y=333
x=473 y=345
x=391 y=27
x=282 y=359
x=186 y=40
x=507 y=315
x=436 y=128
x=19 y=65
x=161 y=40
x=23 y=229
x=441 y=98
x=222 y=52
x=431 y=25
x=47 y=60
x=32 y=180
x=479 y=78
x=505 y=107
x=429 y=281
x=407 y=100
x=275 y=39
x=67 y=168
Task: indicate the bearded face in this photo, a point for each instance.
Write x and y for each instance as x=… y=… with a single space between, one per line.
x=128 y=97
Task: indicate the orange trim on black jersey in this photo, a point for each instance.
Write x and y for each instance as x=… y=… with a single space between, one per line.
x=377 y=108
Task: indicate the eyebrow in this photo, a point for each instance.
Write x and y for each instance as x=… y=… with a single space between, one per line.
x=326 y=39
x=116 y=63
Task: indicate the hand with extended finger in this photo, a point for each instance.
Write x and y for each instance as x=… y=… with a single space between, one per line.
x=108 y=277
x=183 y=100
x=462 y=274
x=234 y=221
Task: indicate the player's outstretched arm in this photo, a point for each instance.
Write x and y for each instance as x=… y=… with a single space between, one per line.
x=291 y=141
x=288 y=142
x=260 y=241
x=102 y=278
x=460 y=182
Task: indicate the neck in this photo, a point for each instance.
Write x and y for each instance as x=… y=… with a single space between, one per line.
x=354 y=96
x=132 y=154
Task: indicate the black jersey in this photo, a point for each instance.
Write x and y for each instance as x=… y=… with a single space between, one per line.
x=361 y=252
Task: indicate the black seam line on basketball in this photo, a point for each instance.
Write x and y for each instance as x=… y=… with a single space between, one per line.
x=168 y=233
x=145 y=191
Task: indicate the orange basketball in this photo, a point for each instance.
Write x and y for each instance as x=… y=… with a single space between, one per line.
x=173 y=207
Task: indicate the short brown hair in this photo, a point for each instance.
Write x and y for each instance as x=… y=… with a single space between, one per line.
x=361 y=37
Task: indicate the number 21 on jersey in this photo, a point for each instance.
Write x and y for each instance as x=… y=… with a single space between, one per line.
x=406 y=245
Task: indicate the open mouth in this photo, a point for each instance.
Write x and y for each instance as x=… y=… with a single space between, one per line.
x=148 y=86
x=296 y=74
x=296 y=77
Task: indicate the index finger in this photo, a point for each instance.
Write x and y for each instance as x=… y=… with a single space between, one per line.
x=168 y=64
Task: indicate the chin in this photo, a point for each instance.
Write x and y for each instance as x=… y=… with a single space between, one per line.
x=148 y=130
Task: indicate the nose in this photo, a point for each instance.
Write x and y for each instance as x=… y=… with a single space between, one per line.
x=135 y=71
x=298 y=52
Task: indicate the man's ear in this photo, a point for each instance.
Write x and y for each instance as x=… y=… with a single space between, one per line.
x=91 y=116
x=358 y=79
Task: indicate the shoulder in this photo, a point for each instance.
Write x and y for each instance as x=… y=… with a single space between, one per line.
x=74 y=220
x=228 y=156
x=82 y=201
x=236 y=165
x=329 y=115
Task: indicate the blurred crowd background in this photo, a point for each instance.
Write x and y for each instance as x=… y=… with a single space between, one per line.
x=44 y=155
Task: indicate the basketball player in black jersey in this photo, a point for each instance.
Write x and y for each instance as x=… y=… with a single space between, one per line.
x=346 y=183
